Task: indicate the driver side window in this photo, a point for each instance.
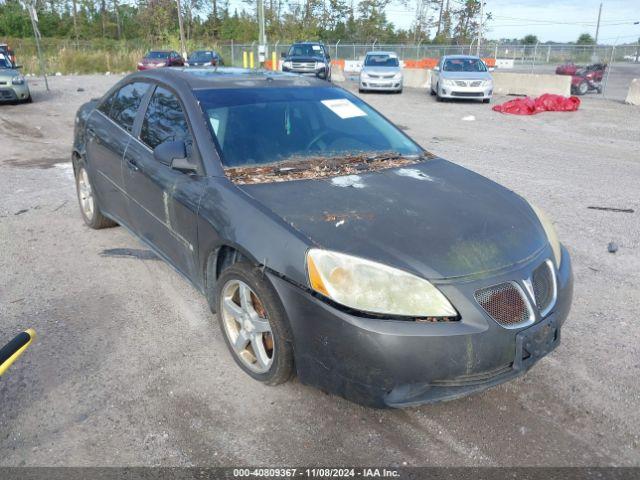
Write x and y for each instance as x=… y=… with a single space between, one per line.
x=165 y=121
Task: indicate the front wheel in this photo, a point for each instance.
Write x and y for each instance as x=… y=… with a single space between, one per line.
x=486 y=100
x=89 y=207
x=254 y=324
x=583 y=88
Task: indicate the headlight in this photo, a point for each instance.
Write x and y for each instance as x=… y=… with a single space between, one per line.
x=18 y=80
x=286 y=64
x=319 y=65
x=364 y=75
x=372 y=287
x=552 y=236
x=487 y=83
x=448 y=83
x=397 y=76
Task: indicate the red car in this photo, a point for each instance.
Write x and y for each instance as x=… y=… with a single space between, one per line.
x=161 y=58
x=584 y=79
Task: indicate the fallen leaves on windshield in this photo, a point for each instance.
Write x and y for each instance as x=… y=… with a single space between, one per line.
x=302 y=168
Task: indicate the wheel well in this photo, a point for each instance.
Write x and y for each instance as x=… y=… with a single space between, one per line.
x=219 y=260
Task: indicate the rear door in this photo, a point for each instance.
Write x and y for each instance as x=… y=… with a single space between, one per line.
x=108 y=133
x=163 y=201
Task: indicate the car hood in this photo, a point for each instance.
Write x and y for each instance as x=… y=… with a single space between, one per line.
x=435 y=218
x=381 y=70
x=304 y=58
x=466 y=75
x=8 y=74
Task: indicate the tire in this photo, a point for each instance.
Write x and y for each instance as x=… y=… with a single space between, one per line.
x=486 y=100
x=92 y=216
x=431 y=92
x=582 y=88
x=268 y=310
x=29 y=99
x=438 y=97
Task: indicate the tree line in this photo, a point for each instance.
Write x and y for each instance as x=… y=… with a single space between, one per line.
x=156 y=21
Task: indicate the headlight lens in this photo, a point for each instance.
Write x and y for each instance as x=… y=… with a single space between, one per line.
x=373 y=287
x=18 y=80
x=487 y=83
x=551 y=233
x=398 y=76
x=364 y=75
x=448 y=83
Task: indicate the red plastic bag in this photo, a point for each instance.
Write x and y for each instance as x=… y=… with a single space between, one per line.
x=544 y=103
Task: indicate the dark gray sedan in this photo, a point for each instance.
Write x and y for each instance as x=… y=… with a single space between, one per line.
x=330 y=244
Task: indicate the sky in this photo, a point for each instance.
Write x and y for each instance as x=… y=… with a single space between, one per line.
x=550 y=20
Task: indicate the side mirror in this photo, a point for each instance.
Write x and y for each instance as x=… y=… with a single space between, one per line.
x=436 y=68
x=174 y=155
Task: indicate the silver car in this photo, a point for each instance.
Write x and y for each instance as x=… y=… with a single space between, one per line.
x=13 y=85
x=462 y=76
x=381 y=71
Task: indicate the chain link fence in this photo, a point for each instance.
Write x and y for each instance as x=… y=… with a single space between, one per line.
x=70 y=56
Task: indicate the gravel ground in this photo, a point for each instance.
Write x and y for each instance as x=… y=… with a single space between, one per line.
x=131 y=369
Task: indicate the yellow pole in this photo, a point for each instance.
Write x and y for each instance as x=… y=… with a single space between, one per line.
x=15 y=348
x=251 y=62
x=244 y=59
x=274 y=61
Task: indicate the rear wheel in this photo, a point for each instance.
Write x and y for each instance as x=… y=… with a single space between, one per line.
x=254 y=324
x=89 y=207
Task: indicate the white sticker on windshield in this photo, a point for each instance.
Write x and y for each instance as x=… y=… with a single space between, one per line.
x=343 y=108
x=316 y=47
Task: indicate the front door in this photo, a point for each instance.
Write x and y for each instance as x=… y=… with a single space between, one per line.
x=163 y=201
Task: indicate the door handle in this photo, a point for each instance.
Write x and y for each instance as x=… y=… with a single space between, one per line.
x=132 y=164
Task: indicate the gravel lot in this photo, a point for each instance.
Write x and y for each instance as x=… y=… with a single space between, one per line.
x=131 y=369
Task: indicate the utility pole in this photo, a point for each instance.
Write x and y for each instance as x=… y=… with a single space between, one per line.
x=182 y=44
x=36 y=32
x=480 y=27
x=262 y=39
x=598 y=24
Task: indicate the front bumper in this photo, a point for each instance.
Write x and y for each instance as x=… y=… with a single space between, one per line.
x=381 y=84
x=322 y=72
x=14 y=93
x=394 y=363
x=479 y=93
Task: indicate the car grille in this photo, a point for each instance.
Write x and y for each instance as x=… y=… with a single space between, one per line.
x=306 y=66
x=381 y=76
x=506 y=304
x=7 y=94
x=544 y=287
x=3 y=83
x=470 y=83
x=467 y=94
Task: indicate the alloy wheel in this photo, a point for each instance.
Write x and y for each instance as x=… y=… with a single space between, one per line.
x=247 y=327
x=85 y=194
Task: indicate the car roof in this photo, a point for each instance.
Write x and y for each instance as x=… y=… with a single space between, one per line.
x=453 y=57
x=307 y=43
x=229 y=77
x=160 y=51
x=380 y=52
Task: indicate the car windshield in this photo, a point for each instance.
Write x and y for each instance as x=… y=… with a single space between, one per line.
x=257 y=126
x=305 y=51
x=464 y=65
x=203 y=56
x=158 y=55
x=381 y=61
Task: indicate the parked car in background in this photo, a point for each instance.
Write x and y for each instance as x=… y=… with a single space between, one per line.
x=330 y=244
x=584 y=79
x=13 y=85
x=204 y=58
x=8 y=53
x=381 y=71
x=161 y=58
x=308 y=58
x=462 y=76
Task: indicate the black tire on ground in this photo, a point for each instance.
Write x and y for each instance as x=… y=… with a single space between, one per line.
x=431 y=92
x=281 y=369
x=361 y=90
x=97 y=220
x=399 y=91
x=486 y=100
x=29 y=99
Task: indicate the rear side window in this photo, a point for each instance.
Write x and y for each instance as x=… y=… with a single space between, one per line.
x=165 y=121
x=125 y=104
